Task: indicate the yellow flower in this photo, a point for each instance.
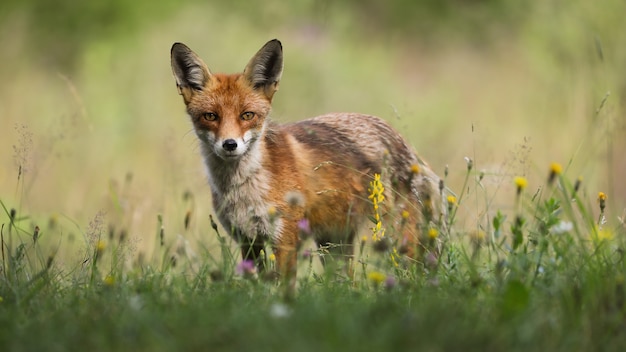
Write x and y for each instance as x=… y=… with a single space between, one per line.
x=433 y=233
x=271 y=211
x=415 y=169
x=451 y=200
x=520 y=183
x=376 y=277
x=101 y=246
x=394 y=255
x=556 y=168
x=477 y=236
x=376 y=190
x=109 y=280
x=272 y=257
x=602 y=200
x=405 y=214
x=605 y=235
x=364 y=238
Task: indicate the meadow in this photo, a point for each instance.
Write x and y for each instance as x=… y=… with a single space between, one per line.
x=106 y=222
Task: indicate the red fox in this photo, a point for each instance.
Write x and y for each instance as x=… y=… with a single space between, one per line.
x=266 y=177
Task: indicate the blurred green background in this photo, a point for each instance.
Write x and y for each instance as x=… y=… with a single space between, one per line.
x=90 y=113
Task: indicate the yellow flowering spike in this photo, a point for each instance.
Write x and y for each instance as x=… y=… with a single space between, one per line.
x=394 y=257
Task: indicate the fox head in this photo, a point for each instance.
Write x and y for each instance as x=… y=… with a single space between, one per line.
x=228 y=111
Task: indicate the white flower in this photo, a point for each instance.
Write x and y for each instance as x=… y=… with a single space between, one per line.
x=562 y=227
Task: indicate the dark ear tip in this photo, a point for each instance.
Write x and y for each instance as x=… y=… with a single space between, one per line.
x=179 y=47
x=275 y=42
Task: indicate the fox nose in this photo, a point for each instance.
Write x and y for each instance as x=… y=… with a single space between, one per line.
x=229 y=145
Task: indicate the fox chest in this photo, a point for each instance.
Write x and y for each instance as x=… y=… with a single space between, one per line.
x=244 y=210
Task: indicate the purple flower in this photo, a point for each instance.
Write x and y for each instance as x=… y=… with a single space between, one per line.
x=304 y=226
x=245 y=268
x=390 y=282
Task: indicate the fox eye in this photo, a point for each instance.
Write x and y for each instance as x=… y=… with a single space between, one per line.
x=209 y=116
x=248 y=115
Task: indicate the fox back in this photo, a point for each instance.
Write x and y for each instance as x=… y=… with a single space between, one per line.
x=278 y=183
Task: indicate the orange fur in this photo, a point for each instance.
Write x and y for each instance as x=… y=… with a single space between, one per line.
x=324 y=164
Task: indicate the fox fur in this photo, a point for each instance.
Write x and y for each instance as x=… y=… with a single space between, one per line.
x=266 y=177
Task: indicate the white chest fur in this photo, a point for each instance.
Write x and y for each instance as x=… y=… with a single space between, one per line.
x=239 y=190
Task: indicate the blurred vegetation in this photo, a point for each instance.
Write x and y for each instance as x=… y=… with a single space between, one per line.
x=514 y=85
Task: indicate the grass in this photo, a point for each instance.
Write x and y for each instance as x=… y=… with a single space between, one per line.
x=550 y=276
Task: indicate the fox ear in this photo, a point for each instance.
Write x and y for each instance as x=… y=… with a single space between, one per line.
x=265 y=68
x=189 y=70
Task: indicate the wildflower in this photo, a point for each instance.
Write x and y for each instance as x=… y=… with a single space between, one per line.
x=376 y=277
x=562 y=227
x=390 y=282
x=279 y=310
x=271 y=211
x=477 y=237
x=431 y=260
x=470 y=163
x=376 y=191
x=415 y=169
x=376 y=195
x=520 y=183
x=101 y=246
x=245 y=268
x=109 y=280
x=605 y=235
x=294 y=199
x=363 y=238
x=602 y=200
x=135 y=302
x=451 y=201
x=405 y=215
x=555 y=170
x=394 y=257
x=272 y=257
x=304 y=226
x=433 y=233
